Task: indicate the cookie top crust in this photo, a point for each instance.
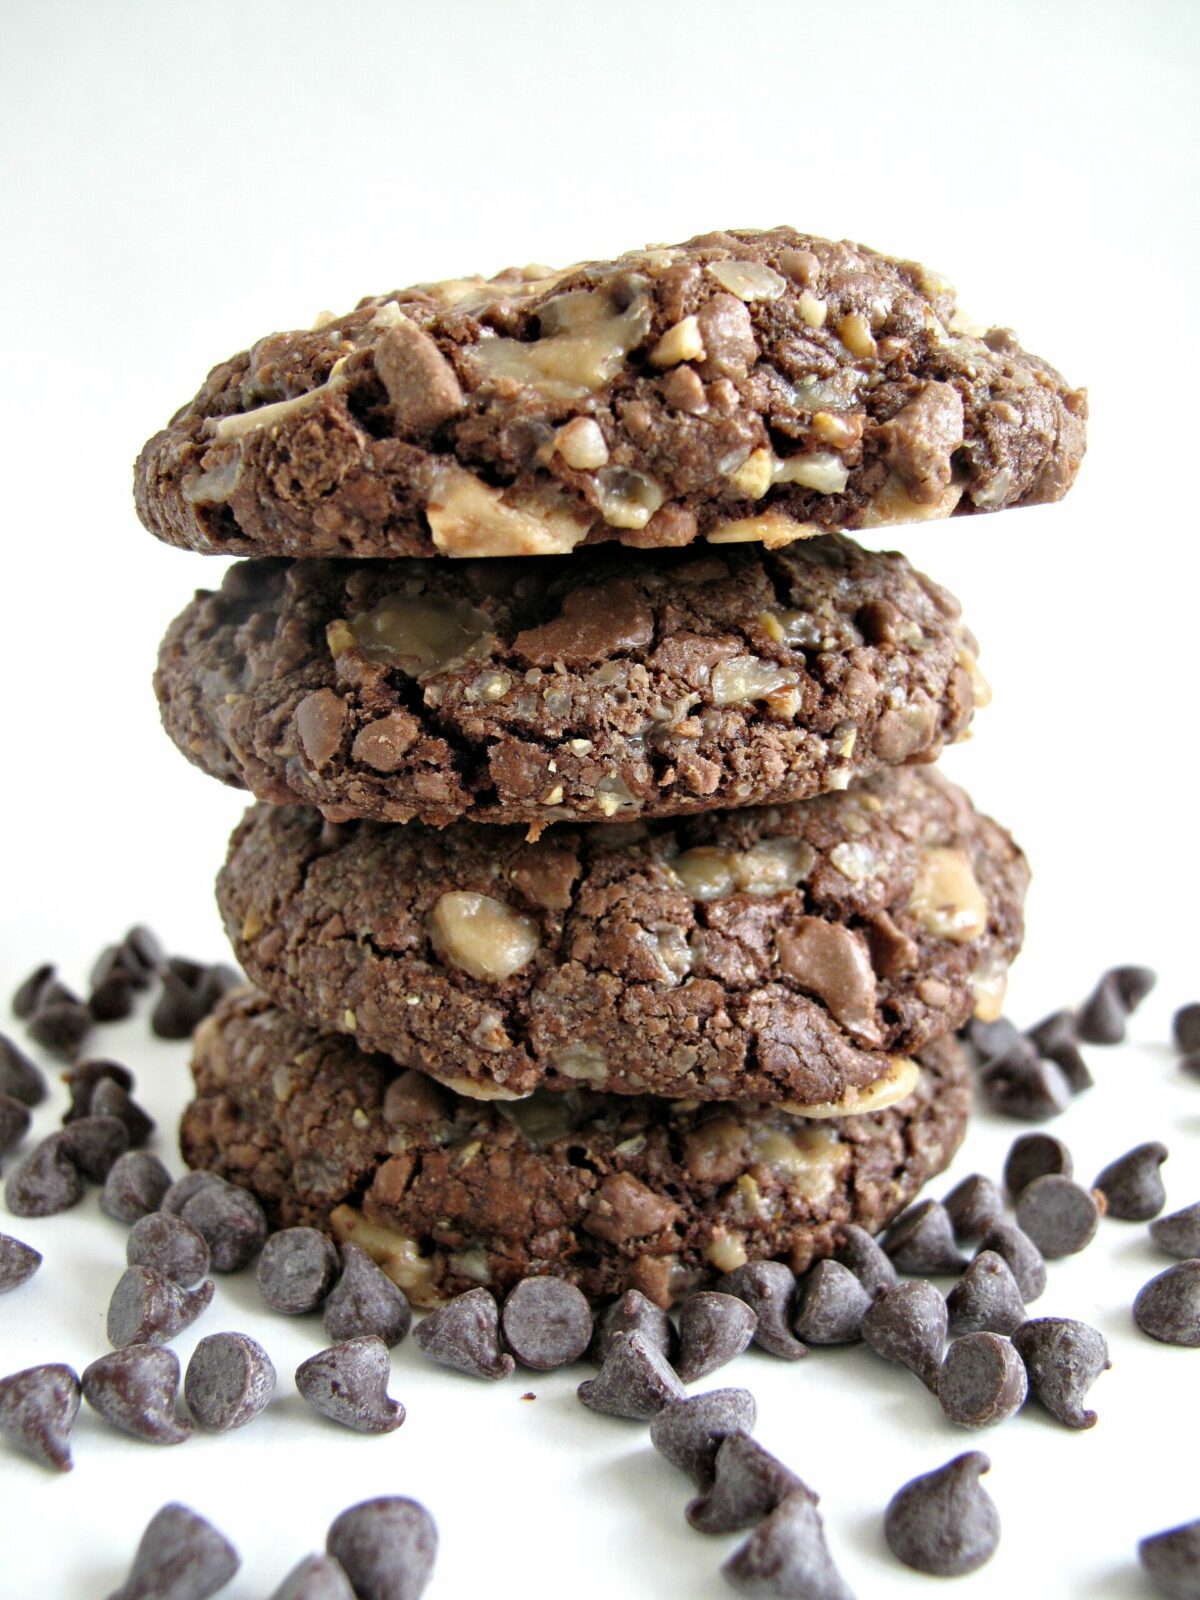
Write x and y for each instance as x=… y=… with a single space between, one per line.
x=794 y=955
x=603 y=685
x=610 y=1192
x=744 y=386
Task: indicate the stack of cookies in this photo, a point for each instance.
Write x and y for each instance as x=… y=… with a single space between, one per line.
x=606 y=915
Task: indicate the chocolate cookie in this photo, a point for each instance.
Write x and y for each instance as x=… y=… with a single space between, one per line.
x=785 y=955
x=742 y=386
x=610 y=1192
x=608 y=684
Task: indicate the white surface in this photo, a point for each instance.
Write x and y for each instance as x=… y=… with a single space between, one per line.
x=178 y=181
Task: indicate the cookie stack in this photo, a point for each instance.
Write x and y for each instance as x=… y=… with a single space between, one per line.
x=606 y=915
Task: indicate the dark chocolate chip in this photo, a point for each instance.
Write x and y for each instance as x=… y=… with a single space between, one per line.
x=990 y=1039
x=315 y=1578
x=135 y=1390
x=1063 y=1359
x=689 y=1433
x=386 y=1547
x=944 y=1523
x=748 y=1483
x=1102 y=1015
x=921 y=1240
x=112 y=987
x=94 y=1144
x=46 y=1182
x=180 y=1557
x=18 y=1075
x=38 y=1408
x=632 y=1313
x=61 y=1022
x=1023 y=1256
x=189 y=992
x=147 y=1308
x=1190 y=1063
x=1134 y=984
x=1025 y=1086
x=109 y=1099
x=142 y=954
x=972 y=1206
x=82 y=1080
x=636 y=1381
x=1058 y=1214
x=135 y=1186
x=348 y=1384
x=1034 y=1155
x=831 y=1305
x=982 y=1381
x=25 y=998
x=1168 y=1307
x=168 y=1245
x=465 y=1334
x=1171 y=1560
x=14 y=1122
x=1185 y=1028
x=1052 y=1033
x=296 y=1270
x=231 y=1220
x=786 y=1556
x=907 y=1324
x=713 y=1329
x=865 y=1258
x=768 y=1288
x=183 y=1189
x=547 y=1323
x=228 y=1381
x=18 y=1262
x=1132 y=1185
x=365 y=1300
x=1179 y=1234
x=986 y=1298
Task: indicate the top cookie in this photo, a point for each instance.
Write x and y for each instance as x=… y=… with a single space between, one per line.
x=743 y=386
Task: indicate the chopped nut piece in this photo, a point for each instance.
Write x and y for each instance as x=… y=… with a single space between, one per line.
x=896 y=1084
x=821 y=470
x=893 y=503
x=835 y=430
x=855 y=333
x=398 y=1255
x=770 y=528
x=420 y=636
x=812 y=311
x=627 y=499
x=581 y=444
x=747 y=678
x=468 y=518
x=244 y=422
x=482 y=936
x=680 y=343
x=584 y=343
x=749 y=280
x=756 y=474
x=946 y=898
x=582 y=1060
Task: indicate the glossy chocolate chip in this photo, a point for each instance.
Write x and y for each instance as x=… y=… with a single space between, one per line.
x=231 y=1220
x=94 y=1144
x=46 y=1182
x=1026 y=1086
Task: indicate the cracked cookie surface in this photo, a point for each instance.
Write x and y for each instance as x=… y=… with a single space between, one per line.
x=795 y=954
x=610 y=684
x=742 y=386
x=609 y=1192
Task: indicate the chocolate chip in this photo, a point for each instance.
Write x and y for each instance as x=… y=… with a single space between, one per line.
x=1191 y=1063
x=147 y=1308
x=46 y=1182
x=1059 y=1215
x=386 y=1547
x=189 y=992
x=635 y=1381
x=315 y=1578
x=296 y=1270
x=748 y=1483
x=365 y=1300
x=14 y=1122
x=547 y=1323
x=38 y=1408
x=109 y=1099
x=94 y=1144
x=786 y=1556
x=944 y=1522
x=25 y=998
x=112 y=987
x=228 y=1381
x=1052 y=1033
x=1026 y=1086
x=972 y=1206
x=1185 y=1028
x=18 y=1075
x=921 y=1240
x=18 y=1262
x=768 y=1288
x=986 y=1298
x=907 y=1324
x=1179 y=1234
x=991 y=1039
x=1034 y=1155
x=231 y=1220
x=142 y=955
x=168 y=1245
x=1132 y=1185
x=1063 y=1359
x=632 y=1313
x=689 y=1433
x=1102 y=1016
x=135 y=1390
x=465 y=1334
x=1134 y=984
x=865 y=1258
x=1168 y=1307
x=348 y=1383
x=60 y=1023
x=183 y=1189
x=831 y=1305
x=1171 y=1560
x=180 y=1557
x=1022 y=1255
x=982 y=1381
x=713 y=1329
x=82 y=1081
x=135 y=1186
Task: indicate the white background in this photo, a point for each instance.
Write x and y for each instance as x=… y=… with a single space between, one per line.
x=180 y=180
